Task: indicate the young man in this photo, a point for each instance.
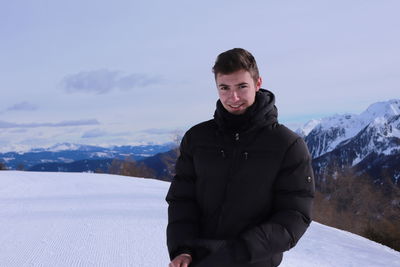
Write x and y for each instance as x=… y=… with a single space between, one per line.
x=244 y=185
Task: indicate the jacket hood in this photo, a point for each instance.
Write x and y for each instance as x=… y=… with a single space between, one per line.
x=262 y=113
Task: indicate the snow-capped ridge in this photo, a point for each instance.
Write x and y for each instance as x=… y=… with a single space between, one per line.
x=385 y=109
x=63 y=146
x=308 y=127
x=337 y=129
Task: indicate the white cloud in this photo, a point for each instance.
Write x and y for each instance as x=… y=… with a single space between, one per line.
x=22 y=106
x=4 y=124
x=103 y=81
x=156 y=131
x=94 y=133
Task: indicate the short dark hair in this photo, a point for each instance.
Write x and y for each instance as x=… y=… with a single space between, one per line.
x=234 y=60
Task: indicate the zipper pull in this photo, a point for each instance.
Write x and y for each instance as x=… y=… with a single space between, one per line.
x=223 y=153
x=246 y=154
x=237 y=136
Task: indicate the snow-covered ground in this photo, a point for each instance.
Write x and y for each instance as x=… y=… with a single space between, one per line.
x=80 y=219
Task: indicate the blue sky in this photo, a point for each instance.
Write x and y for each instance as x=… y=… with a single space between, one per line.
x=128 y=72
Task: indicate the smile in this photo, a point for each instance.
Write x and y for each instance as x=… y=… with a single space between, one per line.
x=235 y=107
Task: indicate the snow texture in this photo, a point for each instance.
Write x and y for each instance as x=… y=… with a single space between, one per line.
x=82 y=219
x=307 y=128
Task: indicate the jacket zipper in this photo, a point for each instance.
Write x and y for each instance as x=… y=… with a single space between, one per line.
x=230 y=173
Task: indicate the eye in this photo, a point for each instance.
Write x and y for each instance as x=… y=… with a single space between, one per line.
x=242 y=86
x=224 y=88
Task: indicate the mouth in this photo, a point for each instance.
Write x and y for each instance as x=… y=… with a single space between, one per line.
x=235 y=106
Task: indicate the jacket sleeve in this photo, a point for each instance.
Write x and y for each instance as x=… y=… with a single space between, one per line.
x=292 y=204
x=183 y=211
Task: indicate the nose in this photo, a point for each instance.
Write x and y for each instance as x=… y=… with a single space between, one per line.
x=234 y=95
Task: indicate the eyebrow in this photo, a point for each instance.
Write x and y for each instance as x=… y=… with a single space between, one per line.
x=222 y=84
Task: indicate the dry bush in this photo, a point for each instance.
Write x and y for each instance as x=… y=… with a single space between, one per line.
x=353 y=203
x=130 y=167
x=384 y=232
x=2 y=166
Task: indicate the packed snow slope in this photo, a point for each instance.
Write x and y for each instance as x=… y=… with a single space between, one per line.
x=80 y=219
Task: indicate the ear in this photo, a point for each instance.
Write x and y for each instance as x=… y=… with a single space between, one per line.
x=258 y=83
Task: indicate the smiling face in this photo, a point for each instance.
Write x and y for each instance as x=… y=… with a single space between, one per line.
x=237 y=90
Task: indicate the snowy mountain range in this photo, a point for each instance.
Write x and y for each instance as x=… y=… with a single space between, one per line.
x=66 y=153
x=326 y=134
x=366 y=143
x=353 y=141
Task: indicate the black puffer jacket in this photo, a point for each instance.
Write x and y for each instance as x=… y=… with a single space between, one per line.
x=243 y=189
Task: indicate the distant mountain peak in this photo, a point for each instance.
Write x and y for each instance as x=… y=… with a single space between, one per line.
x=334 y=130
x=63 y=146
x=385 y=109
x=308 y=127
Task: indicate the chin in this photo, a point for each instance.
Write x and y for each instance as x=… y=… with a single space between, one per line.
x=237 y=112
